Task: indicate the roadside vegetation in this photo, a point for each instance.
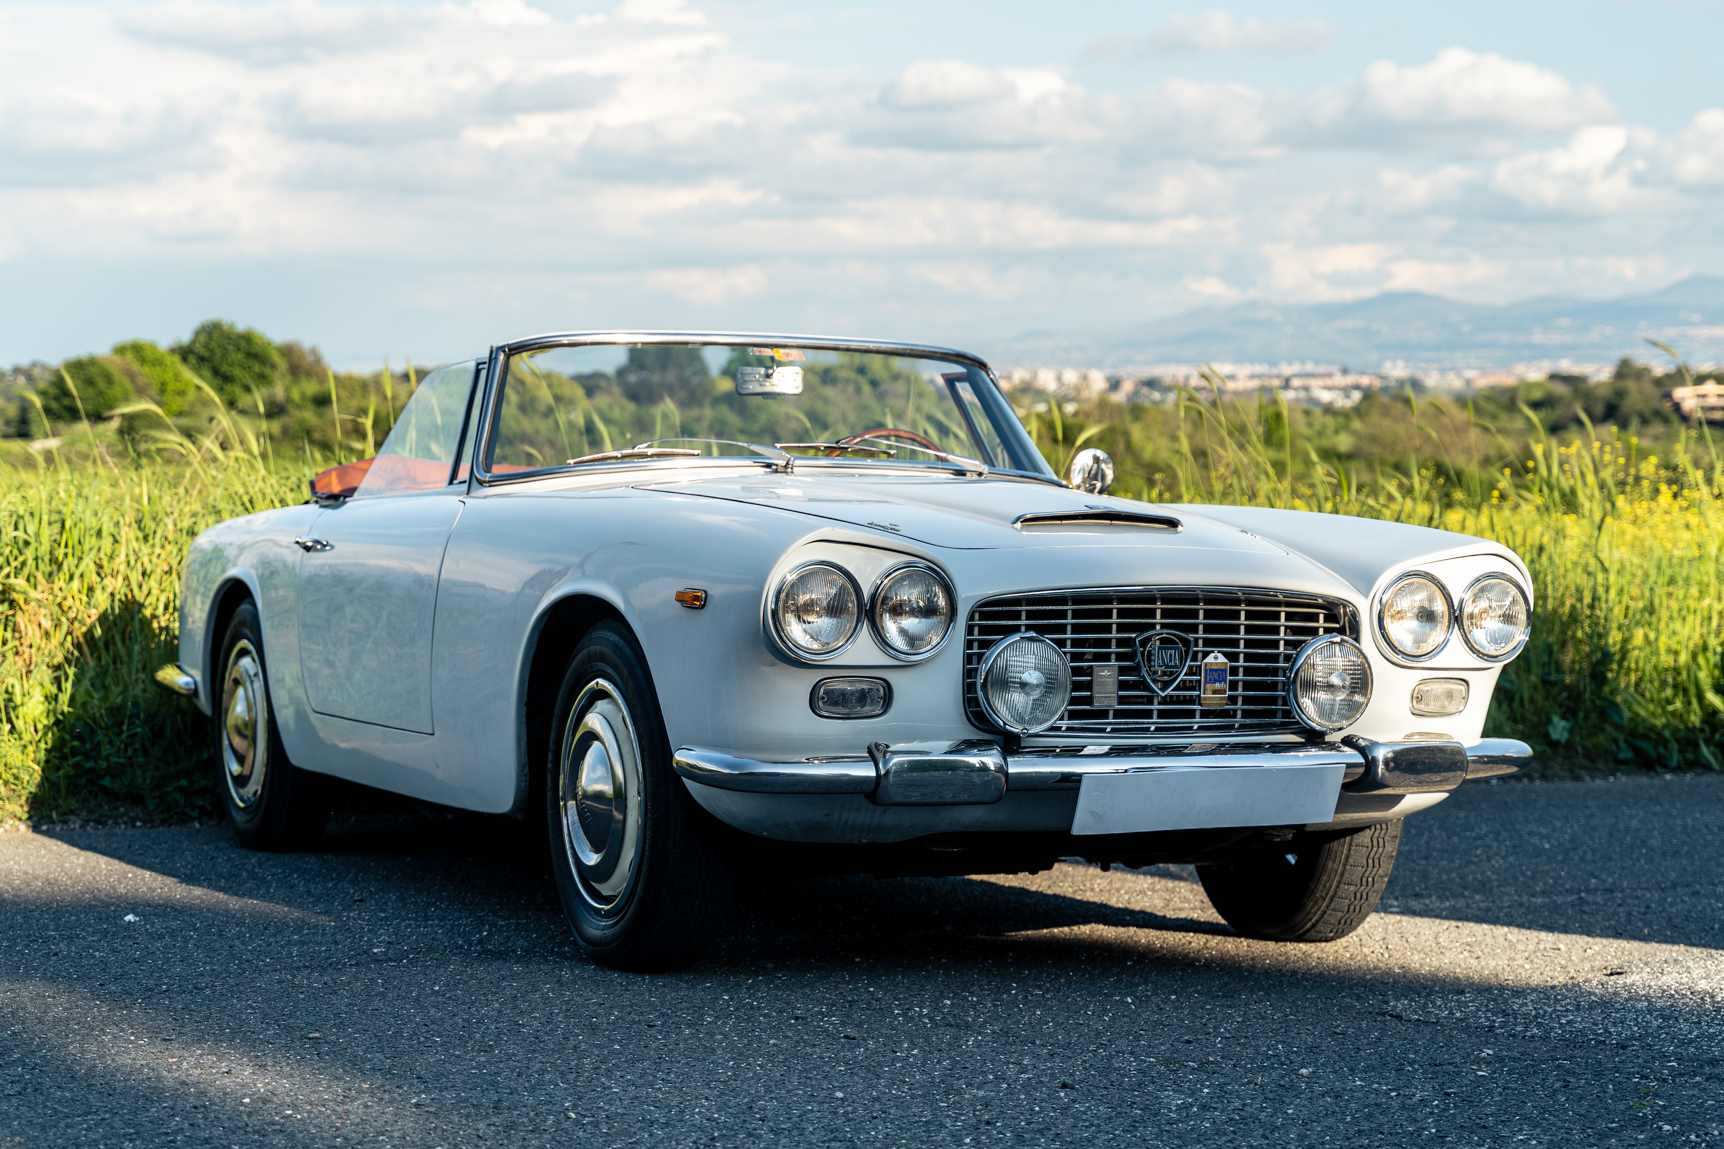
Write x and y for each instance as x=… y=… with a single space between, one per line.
x=115 y=462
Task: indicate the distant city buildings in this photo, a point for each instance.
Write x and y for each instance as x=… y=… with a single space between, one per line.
x=1318 y=384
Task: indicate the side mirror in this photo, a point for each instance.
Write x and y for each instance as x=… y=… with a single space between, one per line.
x=1091 y=471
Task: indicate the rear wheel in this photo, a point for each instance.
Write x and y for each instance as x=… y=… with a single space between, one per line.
x=643 y=872
x=1316 y=888
x=272 y=804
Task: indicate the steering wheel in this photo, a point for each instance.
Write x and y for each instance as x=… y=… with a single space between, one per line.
x=910 y=437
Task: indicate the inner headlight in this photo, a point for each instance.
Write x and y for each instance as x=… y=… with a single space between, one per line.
x=817 y=610
x=912 y=611
x=1025 y=683
x=1330 y=684
x=1414 y=617
x=1494 y=618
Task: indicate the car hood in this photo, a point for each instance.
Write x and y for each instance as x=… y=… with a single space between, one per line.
x=968 y=513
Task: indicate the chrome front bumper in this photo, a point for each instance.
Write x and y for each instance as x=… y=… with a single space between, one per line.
x=980 y=773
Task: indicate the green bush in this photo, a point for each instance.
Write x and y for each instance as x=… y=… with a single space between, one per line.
x=175 y=388
x=233 y=362
x=101 y=385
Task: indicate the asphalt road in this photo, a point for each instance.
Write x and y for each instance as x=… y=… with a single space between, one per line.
x=1548 y=968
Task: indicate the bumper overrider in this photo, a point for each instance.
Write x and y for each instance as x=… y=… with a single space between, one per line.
x=1119 y=789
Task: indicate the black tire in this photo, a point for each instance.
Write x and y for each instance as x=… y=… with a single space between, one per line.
x=1325 y=892
x=644 y=877
x=271 y=803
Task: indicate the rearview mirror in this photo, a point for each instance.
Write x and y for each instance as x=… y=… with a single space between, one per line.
x=1091 y=471
x=779 y=380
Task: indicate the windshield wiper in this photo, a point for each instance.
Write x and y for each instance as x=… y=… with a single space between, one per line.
x=839 y=448
x=634 y=453
x=772 y=456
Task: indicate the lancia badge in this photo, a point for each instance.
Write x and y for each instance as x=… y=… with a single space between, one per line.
x=1214 y=681
x=1161 y=658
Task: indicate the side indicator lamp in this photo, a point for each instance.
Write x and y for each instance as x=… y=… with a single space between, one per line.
x=692 y=598
x=1439 y=697
x=847 y=698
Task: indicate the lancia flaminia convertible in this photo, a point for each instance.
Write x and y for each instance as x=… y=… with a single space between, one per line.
x=696 y=601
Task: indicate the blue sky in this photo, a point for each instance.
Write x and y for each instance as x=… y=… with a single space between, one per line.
x=425 y=179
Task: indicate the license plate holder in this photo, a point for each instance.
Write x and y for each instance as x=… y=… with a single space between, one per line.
x=1180 y=797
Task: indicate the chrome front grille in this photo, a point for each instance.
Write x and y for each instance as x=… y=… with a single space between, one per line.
x=1257 y=631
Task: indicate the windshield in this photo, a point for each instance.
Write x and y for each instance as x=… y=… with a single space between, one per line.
x=605 y=403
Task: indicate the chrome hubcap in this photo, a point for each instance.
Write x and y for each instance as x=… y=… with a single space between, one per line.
x=245 y=725
x=599 y=794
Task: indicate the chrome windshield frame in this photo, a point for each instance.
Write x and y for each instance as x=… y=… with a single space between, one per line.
x=502 y=353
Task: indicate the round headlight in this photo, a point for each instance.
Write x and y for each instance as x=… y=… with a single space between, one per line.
x=817 y=610
x=1414 y=617
x=1494 y=618
x=1330 y=684
x=1025 y=683
x=912 y=611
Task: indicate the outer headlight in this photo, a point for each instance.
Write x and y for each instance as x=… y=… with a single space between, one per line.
x=1414 y=617
x=1331 y=683
x=912 y=611
x=1024 y=683
x=1494 y=618
x=817 y=610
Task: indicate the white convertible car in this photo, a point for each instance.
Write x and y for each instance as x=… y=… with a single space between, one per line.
x=680 y=594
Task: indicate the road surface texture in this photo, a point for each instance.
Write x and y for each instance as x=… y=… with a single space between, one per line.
x=1547 y=968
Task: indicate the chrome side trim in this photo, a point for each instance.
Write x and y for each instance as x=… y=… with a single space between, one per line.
x=712 y=768
x=178 y=679
x=1497 y=758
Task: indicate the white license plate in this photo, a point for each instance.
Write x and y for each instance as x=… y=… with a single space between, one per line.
x=1199 y=798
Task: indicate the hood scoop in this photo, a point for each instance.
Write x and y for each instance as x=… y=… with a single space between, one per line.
x=1097 y=517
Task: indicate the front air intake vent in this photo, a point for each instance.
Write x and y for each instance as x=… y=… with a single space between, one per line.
x=1256 y=631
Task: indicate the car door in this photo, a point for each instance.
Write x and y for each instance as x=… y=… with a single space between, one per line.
x=369 y=568
x=367 y=597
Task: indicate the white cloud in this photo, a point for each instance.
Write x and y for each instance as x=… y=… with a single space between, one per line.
x=1460 y=91
x=639 y=164
x=1592 y=173
x=1218 y=31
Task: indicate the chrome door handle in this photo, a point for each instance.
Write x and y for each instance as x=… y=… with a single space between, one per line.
x=314 y=544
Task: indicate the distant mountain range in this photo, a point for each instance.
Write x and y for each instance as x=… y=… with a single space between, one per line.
x=1423 y=331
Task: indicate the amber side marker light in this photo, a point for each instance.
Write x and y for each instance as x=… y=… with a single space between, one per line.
x=691 y=598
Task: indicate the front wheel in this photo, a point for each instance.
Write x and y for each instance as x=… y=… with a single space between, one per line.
x=271 y=803
x=1315 y=888
x=644 y=874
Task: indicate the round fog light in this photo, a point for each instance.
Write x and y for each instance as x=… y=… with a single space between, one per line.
x=1025 y=683
x=1330 y=684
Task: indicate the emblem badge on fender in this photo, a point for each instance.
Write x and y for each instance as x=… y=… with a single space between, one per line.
x=1161 y=658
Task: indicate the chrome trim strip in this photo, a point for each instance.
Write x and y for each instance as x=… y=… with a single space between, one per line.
x=178 y=679
x=1047 y=771
x=1526 y=635
x=874 y=602
x=1388 y=648
x=726 y=772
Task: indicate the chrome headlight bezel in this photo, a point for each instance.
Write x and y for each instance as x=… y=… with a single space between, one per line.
x=879 y=631
x=1299 y=660
x=987 y=664
x=1461 y=606
x=777 y=630
x=1388 y=644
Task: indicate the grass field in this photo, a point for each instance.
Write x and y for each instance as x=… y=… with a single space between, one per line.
x=1624 y=670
